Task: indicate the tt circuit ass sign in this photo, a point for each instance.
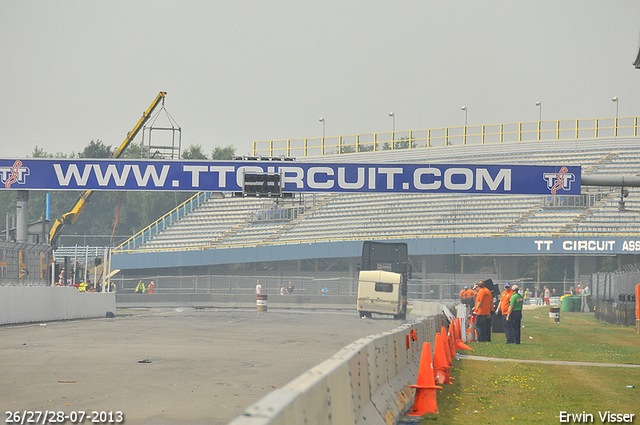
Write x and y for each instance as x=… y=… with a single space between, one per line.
x=71 y=174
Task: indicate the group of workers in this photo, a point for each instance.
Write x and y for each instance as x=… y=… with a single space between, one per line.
x=141 y=288
x=480 y=302
x=85 y=286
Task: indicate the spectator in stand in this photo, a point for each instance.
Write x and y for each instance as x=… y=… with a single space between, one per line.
x=483 y=309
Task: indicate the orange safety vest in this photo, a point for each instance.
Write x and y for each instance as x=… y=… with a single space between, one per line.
x=504 y=301
x=484 y=298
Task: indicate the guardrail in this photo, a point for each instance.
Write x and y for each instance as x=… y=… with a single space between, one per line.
x=449 y=136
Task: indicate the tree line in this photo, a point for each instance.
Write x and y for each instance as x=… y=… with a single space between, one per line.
x=95 y=224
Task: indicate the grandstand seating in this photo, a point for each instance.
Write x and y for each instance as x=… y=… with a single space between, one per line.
x=227 y=222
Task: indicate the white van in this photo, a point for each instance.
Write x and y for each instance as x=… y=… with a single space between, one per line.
x=380 y=292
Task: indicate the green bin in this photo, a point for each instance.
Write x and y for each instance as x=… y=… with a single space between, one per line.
x=577 y=302
x=567 y=304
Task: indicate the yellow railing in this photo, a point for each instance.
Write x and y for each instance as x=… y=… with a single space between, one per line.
x=450 y=136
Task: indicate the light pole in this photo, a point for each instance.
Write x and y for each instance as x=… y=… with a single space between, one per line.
x=464 y=137
x=539 y=105
x=393 y=120
x=321 y=119
x=615 y=124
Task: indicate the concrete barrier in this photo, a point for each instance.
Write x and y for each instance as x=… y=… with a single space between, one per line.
x=27 y=304
x=367 y=382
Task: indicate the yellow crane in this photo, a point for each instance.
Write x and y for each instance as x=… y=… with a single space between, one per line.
x=82 y=201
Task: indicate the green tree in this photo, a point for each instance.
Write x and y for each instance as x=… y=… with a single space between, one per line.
x=347 y=149
x=96 y=149
x=404 y=143
x=132 y=151
x=193 y=152
x=40 y=153
x=225 y=153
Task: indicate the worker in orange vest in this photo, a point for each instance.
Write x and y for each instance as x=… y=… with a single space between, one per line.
x=463 y=294
x=151 y=288
x=503 y=308
x=483 y=309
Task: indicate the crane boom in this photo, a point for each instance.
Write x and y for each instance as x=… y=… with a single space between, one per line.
x=83 y=200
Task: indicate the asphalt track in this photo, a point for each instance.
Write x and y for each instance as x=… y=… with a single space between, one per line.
x=168 y=366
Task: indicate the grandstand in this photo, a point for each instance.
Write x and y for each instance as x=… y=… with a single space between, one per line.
x=228 y=230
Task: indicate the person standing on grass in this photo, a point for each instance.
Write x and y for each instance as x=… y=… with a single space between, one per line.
x=503 y=309
x=514 y=317
x=484 y=307
x=547 y=296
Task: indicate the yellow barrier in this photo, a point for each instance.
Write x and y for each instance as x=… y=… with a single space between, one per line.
x=450 y=136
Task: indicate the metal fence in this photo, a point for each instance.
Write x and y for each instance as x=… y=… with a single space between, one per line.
x=616 y=313
x=238 y=285
x=23 y=264
x=610 y=286
x=418 y=289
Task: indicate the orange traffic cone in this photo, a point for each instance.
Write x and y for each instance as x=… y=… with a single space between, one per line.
x=449 y=343
x=441 y=362
x=471 y=330
x=452 y=345
x=459 y=344
x=425 y=399
x=458 y=332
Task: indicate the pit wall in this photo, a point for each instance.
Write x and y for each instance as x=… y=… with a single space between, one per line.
x=27 y=304
x=367 y=382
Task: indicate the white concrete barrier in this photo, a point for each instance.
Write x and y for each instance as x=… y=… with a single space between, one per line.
x=367 y=382
x=27 y=304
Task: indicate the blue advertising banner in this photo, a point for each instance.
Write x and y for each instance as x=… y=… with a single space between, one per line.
x=228 y=176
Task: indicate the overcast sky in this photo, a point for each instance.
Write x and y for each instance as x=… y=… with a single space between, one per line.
x=238 y=71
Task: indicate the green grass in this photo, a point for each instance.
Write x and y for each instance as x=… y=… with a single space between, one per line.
x=507 y=392
x=579 y=337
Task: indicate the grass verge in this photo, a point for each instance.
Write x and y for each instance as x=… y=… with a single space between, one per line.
x=507 y=392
